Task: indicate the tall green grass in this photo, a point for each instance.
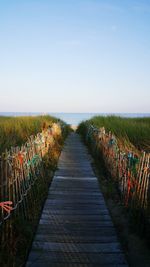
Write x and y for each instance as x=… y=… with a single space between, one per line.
x=134 y=131
x=16 y=130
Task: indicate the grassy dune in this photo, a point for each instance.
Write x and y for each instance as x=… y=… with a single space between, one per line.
x=16 y=130
x=129 y=131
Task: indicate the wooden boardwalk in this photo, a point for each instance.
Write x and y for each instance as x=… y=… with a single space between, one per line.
x=75 y=229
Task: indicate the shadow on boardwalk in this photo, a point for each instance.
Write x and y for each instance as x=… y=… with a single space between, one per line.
x=75 y=228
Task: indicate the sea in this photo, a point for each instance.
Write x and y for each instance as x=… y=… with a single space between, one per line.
x=75 y=118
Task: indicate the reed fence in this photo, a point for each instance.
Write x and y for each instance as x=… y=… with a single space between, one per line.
x=22 y=185
x=130 y=171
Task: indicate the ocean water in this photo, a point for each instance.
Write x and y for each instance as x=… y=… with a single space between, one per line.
x=75 y=118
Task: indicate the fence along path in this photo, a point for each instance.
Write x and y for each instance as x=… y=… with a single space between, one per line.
x=75 y=228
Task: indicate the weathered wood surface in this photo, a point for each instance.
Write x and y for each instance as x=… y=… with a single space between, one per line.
x=75 y=228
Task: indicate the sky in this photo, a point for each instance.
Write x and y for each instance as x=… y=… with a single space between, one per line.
x=75 y=56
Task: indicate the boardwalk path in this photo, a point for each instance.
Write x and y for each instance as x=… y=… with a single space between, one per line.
x=75 y=228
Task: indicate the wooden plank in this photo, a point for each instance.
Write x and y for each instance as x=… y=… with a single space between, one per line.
x=84 y=231
x=72 y=238
x=82 y=179
x=47 y=264
x=103 y=259
x=67 y=194
x=98 y=211
x=113 y=247
x=76 y=224
x=75 y=217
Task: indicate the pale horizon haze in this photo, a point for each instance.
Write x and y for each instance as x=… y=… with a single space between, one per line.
x=75 y=56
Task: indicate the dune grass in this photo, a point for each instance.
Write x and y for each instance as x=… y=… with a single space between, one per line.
x=134 y=131
x=16 y=130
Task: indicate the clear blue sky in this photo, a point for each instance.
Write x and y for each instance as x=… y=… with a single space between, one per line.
x=75 y=55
